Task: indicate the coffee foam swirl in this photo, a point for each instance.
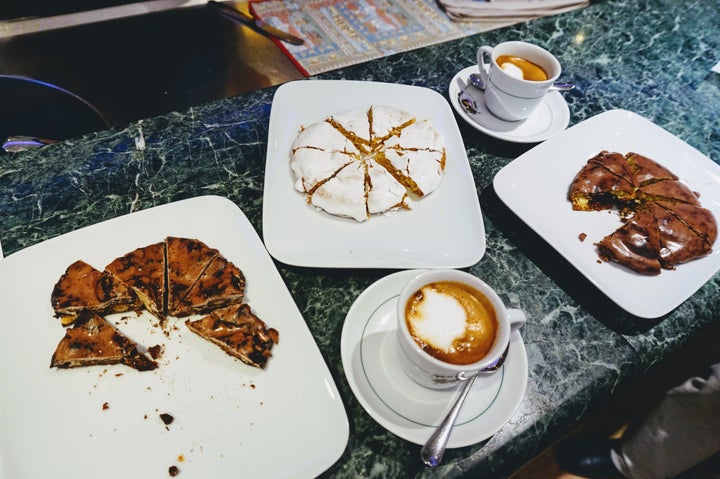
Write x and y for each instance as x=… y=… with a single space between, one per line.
x=452 y=322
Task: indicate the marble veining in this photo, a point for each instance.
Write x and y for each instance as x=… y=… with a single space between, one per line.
x=652 y=57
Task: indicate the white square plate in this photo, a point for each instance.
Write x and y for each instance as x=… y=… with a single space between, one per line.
x=445 y=229
x=535 y=187
x=230 y=419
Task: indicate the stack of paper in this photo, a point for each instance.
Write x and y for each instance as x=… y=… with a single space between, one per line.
x=498 y=10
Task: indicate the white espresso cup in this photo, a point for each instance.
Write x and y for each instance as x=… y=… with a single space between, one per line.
x=451 y=325
x=508 y=95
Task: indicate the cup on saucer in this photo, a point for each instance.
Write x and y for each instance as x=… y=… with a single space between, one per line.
x=517 y=76
x=451 y=325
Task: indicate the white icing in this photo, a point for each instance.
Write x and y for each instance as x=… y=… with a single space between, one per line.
x=386 y=193
x=311 y=166
x=419 y=136
x=440 y=319
x=345 y=181
x=344 y=193
x=355 y=121
x=385 y=119
x=422 y=166
x=324 y=136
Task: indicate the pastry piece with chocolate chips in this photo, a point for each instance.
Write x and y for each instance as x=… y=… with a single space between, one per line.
x=93 y=341
x=221 y=284
x=238 y=332
x=84 y=287
x=144 y=271
x=187 y=259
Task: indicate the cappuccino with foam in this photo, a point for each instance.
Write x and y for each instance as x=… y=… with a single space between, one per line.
x=452 y=321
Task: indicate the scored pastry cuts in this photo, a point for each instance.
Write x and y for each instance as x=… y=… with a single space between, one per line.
x=665 y=224
x=367 y=161
x=177 y=277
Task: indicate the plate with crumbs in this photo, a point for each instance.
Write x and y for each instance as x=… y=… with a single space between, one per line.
x=201 y=413
x=443 y=229
x=545 y=173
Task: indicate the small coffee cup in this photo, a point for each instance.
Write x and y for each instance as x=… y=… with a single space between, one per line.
x=451 y=325
x=517 y=75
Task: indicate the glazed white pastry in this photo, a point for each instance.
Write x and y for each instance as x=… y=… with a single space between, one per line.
x=367 y=161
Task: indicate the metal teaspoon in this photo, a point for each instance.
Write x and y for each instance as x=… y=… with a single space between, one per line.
x=433 y=450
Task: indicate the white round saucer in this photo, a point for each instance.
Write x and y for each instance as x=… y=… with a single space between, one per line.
x=550 y=117
x=400 y=405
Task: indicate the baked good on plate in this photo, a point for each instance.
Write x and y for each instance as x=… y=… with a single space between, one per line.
x=367 y=161
x=221 y=284
x=665 y=224
x=92 y=341
x=177 y=277
x=143 y=270
x=238 y=332
x=187 y=259
x=84 y=287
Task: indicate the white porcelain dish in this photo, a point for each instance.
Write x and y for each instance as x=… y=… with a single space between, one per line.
x=535 y=187
x=550 y=118
x=230 y=419
x=445 y=229
x=403 y=407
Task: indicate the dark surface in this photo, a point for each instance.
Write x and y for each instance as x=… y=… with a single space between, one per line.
x=143 y=66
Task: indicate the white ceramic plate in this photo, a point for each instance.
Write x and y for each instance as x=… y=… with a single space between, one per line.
x=550 y=118
x=230 y=419
x=400 y=405
x=535 y=187
x=445 y=229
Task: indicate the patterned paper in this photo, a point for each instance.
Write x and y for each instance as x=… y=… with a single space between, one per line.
x=339 y=33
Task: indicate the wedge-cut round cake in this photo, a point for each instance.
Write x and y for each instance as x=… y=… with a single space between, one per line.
x=367 y=161
x=665 y=225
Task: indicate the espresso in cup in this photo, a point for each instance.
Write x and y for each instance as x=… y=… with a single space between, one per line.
x=452 y=321
x=516 y=77
x=450 y=325
x=519 y=67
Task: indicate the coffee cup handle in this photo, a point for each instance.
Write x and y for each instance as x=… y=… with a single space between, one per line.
x=517 y=319
x=483 y=65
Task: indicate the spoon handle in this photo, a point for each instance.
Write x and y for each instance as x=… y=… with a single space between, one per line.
x=433 y=450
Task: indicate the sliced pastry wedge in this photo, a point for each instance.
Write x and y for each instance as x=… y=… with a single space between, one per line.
x=144 y=271
x=84 y=287
x=238 y=332
x=221 y=284
x=187 y=259
x=93 y=341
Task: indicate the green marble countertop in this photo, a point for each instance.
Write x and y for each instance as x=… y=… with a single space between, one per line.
x=650 y=57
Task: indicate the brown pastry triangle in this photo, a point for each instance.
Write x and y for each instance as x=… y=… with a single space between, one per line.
x=186 y=261
x=686 y=232
x=646 y=170
x=238 y=332
x=144 y=271
x=220 y=285
x=615 y=163
x=635 y=244
x=668 y=190
x=84 y=287
x=596 y=187
x=92 y=341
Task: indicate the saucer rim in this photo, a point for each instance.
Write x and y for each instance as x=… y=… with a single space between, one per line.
x=554 y=100
x=362 y=388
